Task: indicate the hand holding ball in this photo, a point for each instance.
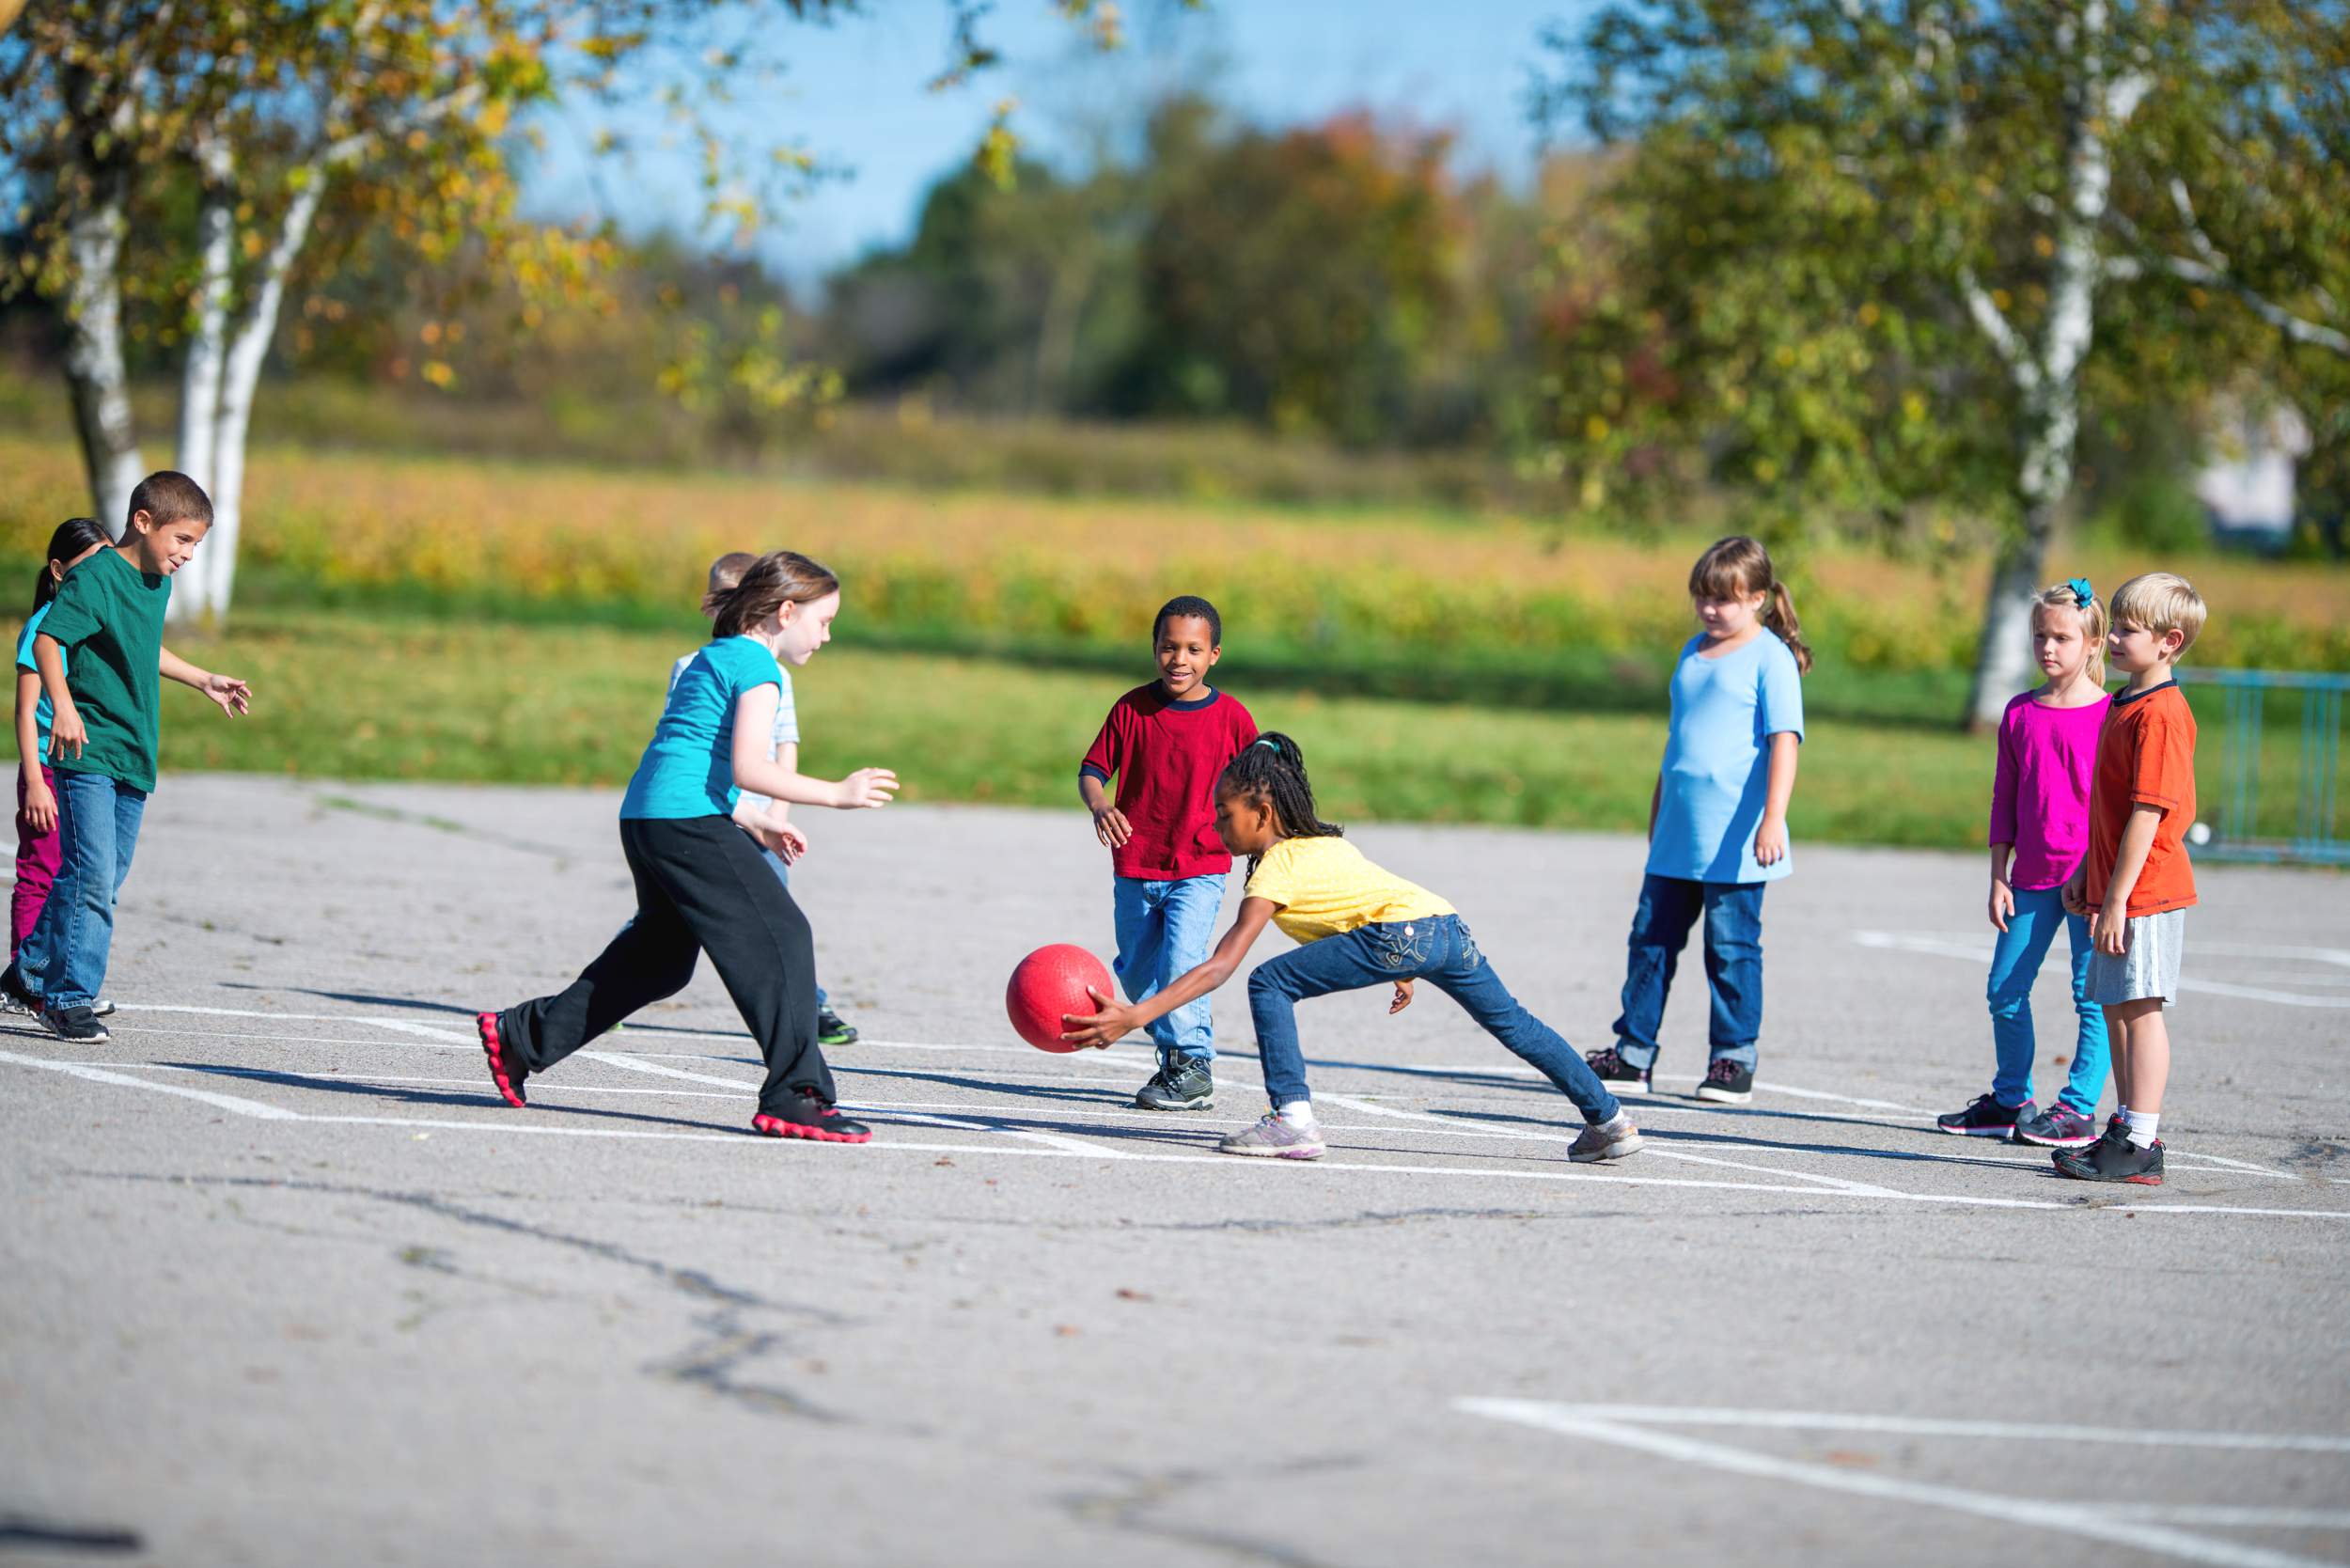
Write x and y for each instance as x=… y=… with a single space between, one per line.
x=1051 y=982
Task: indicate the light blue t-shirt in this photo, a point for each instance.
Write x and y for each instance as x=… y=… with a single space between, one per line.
x=688 y=770
x=25 y=661
x=786 y=724
x=1718 y=761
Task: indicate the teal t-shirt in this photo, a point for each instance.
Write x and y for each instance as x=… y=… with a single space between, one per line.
x=109 y=616
x=1717 y=770
x=688 y=770
x=42 y=714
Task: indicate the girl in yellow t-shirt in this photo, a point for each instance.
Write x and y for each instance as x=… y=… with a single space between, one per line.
x=1359 y=926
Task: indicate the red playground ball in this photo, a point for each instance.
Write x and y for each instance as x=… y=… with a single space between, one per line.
x=1049 y=982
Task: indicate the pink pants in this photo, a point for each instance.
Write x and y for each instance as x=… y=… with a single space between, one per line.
x=39 y=855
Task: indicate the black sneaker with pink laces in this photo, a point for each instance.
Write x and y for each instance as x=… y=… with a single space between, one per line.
x=1620 y=1076
x=1726 y=1083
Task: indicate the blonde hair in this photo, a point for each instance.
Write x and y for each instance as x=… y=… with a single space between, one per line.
x=2064 y=596
x=2161 y=602
x=770 y=582
x=1734 y=566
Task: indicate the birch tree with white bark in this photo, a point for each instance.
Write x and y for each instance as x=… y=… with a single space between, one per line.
x=1883 y=258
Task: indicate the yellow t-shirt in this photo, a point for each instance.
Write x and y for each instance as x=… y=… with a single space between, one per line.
x=1326 y=888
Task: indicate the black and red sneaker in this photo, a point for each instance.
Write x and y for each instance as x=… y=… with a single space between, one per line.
x=2113 y=1159
x=505 y=1070
x=815 y=1119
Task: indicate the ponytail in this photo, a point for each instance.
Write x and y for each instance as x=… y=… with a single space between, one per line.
x=1272 y=770
x=770 y=582
x=1734 y=566
x=74 y=536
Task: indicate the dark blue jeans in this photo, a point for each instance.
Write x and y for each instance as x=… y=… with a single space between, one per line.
x=1439 y=951
x=64 y=961
x=1669 y=905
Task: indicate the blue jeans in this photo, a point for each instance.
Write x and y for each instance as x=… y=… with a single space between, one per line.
x=1438 y=949
x=783 y=874
x=2014 y=965
x=1166 y=929
x=1669 y=905
x=64 y=961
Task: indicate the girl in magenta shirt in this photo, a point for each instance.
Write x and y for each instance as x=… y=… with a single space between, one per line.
x=2039 y=831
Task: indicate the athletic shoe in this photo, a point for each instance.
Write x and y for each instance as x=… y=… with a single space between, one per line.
x=2113 y=1159
x=1272 y=1135
x=1606 y=1140
x=103 y=1007
x=1987 y=1118
x=1726 y=1083
x=1620 y=1076
x=818 y=1121
x=1184 y=1083
x=505 y=1070
x=2057 y=1127
x=831 y=1030
x=15 y=995
x=77 y=1024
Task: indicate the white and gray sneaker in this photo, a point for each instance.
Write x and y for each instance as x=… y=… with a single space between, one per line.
x=1614 y=1139
x=102 y=1008
x=1282 y=1139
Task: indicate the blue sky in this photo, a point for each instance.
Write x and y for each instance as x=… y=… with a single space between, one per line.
x=854 y=95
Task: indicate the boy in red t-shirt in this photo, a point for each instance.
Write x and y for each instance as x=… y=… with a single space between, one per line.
x=1166 y=744
x=2134 y=883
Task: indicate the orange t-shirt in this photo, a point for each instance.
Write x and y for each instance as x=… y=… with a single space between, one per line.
x=2145 y=757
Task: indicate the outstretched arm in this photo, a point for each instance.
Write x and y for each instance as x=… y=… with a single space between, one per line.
x=1113 y=1020
x=754 y=770
x=233 y=695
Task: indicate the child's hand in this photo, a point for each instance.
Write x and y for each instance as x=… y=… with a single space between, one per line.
x=1111 y=827
x=788 y=843
x=2075 y=896
x=66 y=735
x=1402 y=997
x=1770 y=842
x=40 y=804
x=2110 y=929
x=868 y=789
x=1100 y=1028
x=2002 y=903
x=233 y=695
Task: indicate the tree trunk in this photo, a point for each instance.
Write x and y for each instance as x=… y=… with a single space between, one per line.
x=194 y=595
x=94 y=369
x=2003 y=664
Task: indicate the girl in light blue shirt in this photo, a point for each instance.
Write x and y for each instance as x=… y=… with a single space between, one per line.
x=1718 y=822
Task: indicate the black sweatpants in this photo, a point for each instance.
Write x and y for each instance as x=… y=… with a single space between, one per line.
x=701 y=886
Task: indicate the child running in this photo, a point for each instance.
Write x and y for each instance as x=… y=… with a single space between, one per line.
x=768 y=820
x=1165 y=743
x=2038 y=829
x=77 y=540
x=2134 y=883
x=700 y=884
x=1359 y=926
x=1717 y=821
x=104 y=732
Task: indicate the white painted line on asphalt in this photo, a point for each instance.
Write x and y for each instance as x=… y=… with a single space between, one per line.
x=2222 y=1514
x=402 y=1025
x=1978 y=950
x=1579 y=1421
x=1940 y=1426
x=102 y=1075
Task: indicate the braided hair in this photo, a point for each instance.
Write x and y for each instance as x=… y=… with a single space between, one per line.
x=1271 y=770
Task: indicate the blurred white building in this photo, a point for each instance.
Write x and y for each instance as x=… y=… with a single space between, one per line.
x=2246 y=481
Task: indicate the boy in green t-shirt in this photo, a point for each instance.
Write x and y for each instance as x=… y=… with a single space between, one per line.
x=109 y=611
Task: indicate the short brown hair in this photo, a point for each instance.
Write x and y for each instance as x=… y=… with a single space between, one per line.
x=170 y=496
x=775 y=579
x=728 y=570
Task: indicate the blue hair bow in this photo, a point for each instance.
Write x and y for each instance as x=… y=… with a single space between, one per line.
x=2083 y=595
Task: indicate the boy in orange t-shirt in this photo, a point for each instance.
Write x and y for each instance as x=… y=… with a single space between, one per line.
x=2134 y=883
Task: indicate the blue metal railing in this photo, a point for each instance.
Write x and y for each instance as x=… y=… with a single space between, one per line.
x=2236 y=827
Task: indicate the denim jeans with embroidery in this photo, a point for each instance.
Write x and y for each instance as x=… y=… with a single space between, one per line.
x=1438 y=949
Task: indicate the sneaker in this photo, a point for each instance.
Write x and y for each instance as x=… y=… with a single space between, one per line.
x=1620 y=1076
x=1606 y=1140
x=103 y=1007
x=1184 y=1083
x=2057 y=1127
x=1272 y=1135
x=505 y=1070
x=15 y=995
x=831 y=1030
x=1987 y=1118
x=2113 y=1159
x=818 y=1121
x=77 y=1024
x=1726 y=1083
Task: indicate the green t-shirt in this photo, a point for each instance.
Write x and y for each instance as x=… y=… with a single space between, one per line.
x=109 y=615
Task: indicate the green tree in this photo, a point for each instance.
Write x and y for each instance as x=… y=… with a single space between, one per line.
x=1880 y=256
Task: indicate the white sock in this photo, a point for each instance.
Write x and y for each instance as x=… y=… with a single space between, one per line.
x=1617 y=1122
x=1298 y=1114
x=2142 y=1125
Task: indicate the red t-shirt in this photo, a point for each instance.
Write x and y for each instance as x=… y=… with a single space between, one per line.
x=2145 y=757
x=1165 y=755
